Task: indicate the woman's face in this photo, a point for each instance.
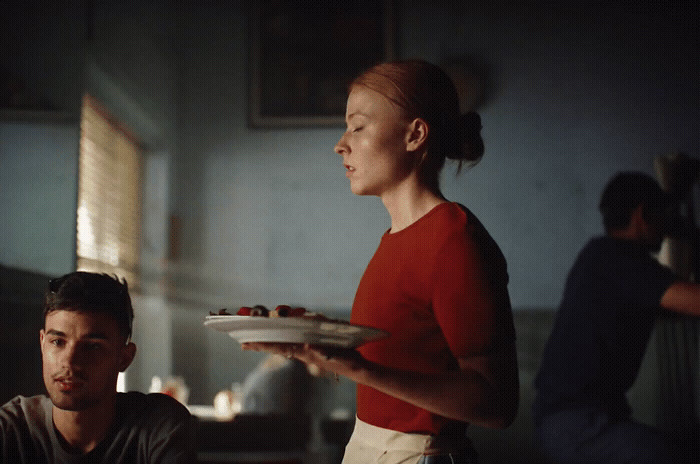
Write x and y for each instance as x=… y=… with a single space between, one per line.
x=374 y=145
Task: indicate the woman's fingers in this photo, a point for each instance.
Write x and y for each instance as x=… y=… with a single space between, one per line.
x=285 y=349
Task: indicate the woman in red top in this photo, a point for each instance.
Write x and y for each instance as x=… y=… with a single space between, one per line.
x=437 y=282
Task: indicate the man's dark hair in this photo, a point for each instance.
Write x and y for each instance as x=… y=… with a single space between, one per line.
x=91 y=292
x=624 y=192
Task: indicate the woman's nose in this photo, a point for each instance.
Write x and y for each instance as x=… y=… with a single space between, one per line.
x=341 y=147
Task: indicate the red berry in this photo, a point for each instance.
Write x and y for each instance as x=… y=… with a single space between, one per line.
x=259 y=310
x=283 y=310
x=244 y=311
x=297 y=312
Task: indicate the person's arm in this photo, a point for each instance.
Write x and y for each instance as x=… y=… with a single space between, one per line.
x=682 y=297
x=484 y=391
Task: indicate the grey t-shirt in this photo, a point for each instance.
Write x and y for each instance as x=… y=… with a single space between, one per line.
x=148 y=429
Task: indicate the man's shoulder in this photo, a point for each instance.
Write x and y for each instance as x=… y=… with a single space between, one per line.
x=598 y=244
x=161 y=425
x=158 y=404
x=23 y=421
x=23 y=406
x=605 y=250
x=24 y=433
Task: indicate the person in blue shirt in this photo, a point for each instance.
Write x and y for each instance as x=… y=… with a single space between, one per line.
x=613 y=294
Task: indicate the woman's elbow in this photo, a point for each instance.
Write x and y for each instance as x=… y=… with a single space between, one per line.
x=506 y=418
x=499 y=413
x=494 y=404
x=501 y=418
x=495 y=421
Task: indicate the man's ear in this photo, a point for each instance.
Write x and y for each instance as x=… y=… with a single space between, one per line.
x=416 y=134
x=638 y=223
x=127 y=355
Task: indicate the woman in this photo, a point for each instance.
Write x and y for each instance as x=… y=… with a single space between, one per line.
x=437 y=282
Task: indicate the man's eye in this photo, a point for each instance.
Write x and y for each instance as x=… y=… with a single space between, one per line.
x=357 y=129
x=57 y=342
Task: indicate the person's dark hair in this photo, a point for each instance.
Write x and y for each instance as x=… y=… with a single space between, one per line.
x=91 y=292
x=423 y=90
x=624 y=192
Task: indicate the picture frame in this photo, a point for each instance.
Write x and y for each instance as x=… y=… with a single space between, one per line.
x=304 y=54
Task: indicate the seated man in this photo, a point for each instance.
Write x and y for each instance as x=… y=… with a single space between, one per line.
x=85 y=343
x=612 y=296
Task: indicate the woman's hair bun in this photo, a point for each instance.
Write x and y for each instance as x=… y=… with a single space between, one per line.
x=472 y=145
x=471 y=122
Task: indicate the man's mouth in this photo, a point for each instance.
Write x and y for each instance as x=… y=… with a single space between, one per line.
x=67 y=384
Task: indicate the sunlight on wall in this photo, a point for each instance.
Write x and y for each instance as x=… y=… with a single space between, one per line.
x=121 y=382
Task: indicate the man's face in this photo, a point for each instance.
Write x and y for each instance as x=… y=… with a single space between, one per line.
x=655 y=218
x=82 y=355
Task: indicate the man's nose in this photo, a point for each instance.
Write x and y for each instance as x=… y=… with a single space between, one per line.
x=71 y=355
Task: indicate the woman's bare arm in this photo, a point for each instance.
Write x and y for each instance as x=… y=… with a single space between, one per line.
x=485 y=391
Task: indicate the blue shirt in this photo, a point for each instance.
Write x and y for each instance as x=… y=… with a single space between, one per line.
x=601 y=330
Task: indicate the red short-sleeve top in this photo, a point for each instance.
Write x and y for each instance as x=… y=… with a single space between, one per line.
x=439 y=287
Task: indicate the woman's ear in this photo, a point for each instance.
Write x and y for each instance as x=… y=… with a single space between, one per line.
x=416 y=134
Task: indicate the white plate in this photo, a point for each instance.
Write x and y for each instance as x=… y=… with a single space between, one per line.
x=246 y=329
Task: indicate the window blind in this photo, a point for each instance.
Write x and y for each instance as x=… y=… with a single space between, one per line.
x=109 y=195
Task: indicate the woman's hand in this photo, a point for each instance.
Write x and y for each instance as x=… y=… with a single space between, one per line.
x=340 y=361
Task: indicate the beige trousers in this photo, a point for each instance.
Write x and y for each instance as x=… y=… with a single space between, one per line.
x=370 y=444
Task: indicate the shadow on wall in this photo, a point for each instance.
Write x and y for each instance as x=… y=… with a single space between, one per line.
x=21 y=299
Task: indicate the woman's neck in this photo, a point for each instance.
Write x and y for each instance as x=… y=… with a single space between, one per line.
x=408 y=203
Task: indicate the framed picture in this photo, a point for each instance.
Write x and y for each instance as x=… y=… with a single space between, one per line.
x=304 y=53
